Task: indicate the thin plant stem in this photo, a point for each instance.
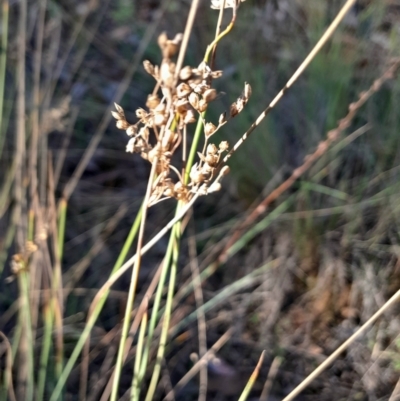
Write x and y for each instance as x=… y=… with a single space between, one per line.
x=325 y=37
x=133 y=284
x=167 y=315
x=3 y=62
x=252 y=380
x=388 y=304
x=139 y=350
x=26 y=341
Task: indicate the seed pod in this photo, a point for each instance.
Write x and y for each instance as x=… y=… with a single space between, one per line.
x=190 y=117
x=222 y=118
x=149 y=68
x=122 y=124
x=202 y=105
x=182 y=106
x=209 y=129
x=183 y=90
x=119 y=109
x=162 y=40
x=247 y=91
x=185 y=73
x=212 y=149
x=131 y=130
x=152 y=101
x=194 y=100
x=223 y=146
x=116 y=115
x=209 y=95
x=159 y=119
x=216 y=74
x=130 y=147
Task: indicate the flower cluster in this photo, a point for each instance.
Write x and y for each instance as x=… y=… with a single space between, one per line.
x=179 y=98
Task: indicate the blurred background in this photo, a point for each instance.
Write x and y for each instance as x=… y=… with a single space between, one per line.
x=313 y=268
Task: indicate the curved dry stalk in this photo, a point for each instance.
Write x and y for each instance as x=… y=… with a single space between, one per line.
x=324 y=38
x=343 y=347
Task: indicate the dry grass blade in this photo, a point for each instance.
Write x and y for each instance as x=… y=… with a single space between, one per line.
x=252 y=380
x=197 y=366
x=325 y=37
x=395 y=298
x=8 y=368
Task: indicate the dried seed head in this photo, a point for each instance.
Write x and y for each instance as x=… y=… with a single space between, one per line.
x=122 y=124
x=190 y=117
x=200 y=88
x=160 y=119
x=119 y=109
x=162 y=40
x=202 y=105
x=209 y=95
x=183 y=90
x=167 y=73
x=222 y=118
x=194 y=100
x=185 y=73
x=131 y=130
x=212 y=149
x=170 y=49
x=247 y=91
x=196 y=176
x=149 y=68
x=141 y=113
x=216 y=74
x=152 y=101
x=223 y=146
x=209 y=129
x=144 y=133
x=117 y=115
x=182 y=106
x=160 y=108
x=130 y=147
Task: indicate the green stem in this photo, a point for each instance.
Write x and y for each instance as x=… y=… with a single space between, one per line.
x=167 y=315
x=96 y=312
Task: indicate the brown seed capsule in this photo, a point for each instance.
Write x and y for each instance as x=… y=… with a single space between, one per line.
x=131 y=130
x=222 y=118
x=149 y=68
x=247 y=91
x=119 y=109
x=170 y=49
x=212 y=149
x=182 y=106
x=223 y=146
x=185 y=73
x=183 y=90
x=194 y=100
x=122 y=124
x=216 y=74
x=162 y=40
x=130 y=147
x=209 y=129
x=202 y=105
x=152 y=101
x=190 y=117
x=209 y=95
x=116 y=115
